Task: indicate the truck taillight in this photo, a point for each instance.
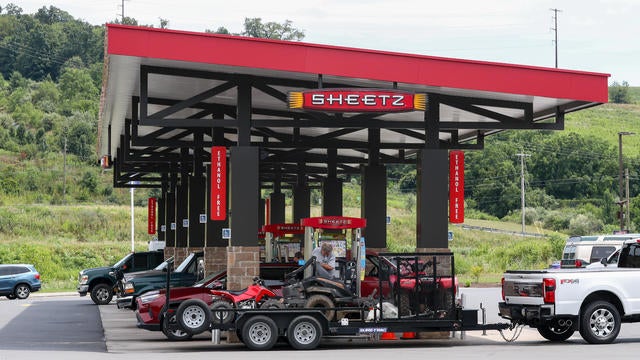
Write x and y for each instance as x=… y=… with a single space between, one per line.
x=502 y=287
x=549 y=290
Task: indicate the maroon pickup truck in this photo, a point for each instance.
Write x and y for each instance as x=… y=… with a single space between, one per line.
x=150 y=304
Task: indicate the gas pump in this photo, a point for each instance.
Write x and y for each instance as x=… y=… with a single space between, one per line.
x=312 y=237
x=275 y=247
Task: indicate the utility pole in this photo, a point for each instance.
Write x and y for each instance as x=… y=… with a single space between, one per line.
x=555 y=29
x=621 y=178
x=122 y=11
x=626 y=178
x=64 y=171
x=522 y=155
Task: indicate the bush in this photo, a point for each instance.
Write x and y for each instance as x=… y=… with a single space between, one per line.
x=584 y=224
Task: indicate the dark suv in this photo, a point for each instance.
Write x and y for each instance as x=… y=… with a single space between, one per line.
x=101 y=282
x=18 y=280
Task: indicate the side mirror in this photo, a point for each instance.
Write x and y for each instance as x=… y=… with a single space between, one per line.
x=603 y=261
x=164 y=269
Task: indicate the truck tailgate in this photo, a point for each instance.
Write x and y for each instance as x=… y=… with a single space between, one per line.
x=524 y=288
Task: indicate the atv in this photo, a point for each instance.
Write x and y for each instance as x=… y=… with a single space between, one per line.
x=421 y=286
x=320 y=292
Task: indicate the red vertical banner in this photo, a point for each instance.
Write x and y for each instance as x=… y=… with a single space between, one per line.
x=456 y=187
x=218 y=209
x=151 y=216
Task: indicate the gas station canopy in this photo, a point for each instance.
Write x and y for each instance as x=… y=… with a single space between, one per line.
x=165 y=91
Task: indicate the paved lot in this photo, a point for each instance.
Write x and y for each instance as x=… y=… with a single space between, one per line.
x=69 y=327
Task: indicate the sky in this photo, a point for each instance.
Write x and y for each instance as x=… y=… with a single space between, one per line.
x=593 y=35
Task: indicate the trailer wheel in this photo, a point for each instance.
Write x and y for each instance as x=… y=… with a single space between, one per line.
x=323 y=302
x=259 y=333
x=556 y=333
x=304 y=333
x=222 y=317
x=600 y=323
x=194 y=316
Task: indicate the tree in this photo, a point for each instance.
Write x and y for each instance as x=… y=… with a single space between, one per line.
x=52 y=15
x=254 y=27
x=13 y=9
x=619 y=93
x=164 y=23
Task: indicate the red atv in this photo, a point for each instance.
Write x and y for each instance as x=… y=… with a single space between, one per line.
x=423 y=285
x=194 y=316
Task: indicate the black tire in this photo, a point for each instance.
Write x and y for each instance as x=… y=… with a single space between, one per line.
x=11 y=296
x=22 y=291
x=404 y=306
x=272 y=304
x=102 y=294
x=304 y=333
x=172 y=331
x=321 y=301
x=239 y=335
x=600 y=323
x=556 y=333
x=259 y=333
x=194 y=316
x=222 y=317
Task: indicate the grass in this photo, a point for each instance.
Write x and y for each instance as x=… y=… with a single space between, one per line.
x=62 y=240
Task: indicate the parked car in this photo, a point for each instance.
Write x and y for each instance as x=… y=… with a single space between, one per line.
x=135 y=284
x=150 y=304
x=581 y=251
x=101 y=282
x=18 y=280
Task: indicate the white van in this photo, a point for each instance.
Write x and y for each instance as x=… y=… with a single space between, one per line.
x=581 y=251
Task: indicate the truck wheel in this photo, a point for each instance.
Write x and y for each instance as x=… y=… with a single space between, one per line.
x=600 y=323
x=171 y=330
x=259 y=333
x=222 y=317
x=321 y=301
x=304 y=333
x=101 y=294
x=194 y=316
x=554 y=332
x=272 y=304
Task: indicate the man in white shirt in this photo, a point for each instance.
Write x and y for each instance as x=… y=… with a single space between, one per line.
x=325 y=260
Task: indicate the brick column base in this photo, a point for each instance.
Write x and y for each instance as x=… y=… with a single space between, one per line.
x=243 y=264
x=215 y=259
x=169 y=251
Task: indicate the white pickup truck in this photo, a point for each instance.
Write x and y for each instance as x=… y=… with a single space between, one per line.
x=558 y=302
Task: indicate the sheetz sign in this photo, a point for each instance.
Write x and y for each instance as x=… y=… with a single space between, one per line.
x=357 y=100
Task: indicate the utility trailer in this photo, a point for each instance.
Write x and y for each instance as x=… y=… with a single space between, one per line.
x=418 y=295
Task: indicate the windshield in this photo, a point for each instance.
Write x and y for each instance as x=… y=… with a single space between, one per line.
x=122 y=261
x=185 y=263
x=209 y=278
x=163 y=265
